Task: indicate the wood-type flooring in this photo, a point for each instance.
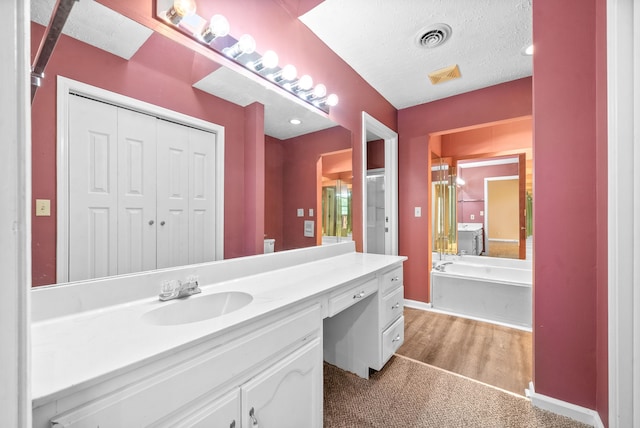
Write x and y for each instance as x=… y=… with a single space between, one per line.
x=493 y=354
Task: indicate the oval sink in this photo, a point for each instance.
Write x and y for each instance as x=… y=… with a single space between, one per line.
x=197 y=308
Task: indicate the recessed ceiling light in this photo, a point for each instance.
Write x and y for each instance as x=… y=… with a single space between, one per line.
x=528 y=50
x=295 y=121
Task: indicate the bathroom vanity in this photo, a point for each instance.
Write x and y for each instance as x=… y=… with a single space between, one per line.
x=247 y=351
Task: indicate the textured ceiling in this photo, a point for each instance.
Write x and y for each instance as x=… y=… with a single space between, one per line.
x=378 y=40
x=96 y=25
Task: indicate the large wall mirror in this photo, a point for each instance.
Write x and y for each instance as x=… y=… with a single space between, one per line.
x=481 y=190
x=104 y=50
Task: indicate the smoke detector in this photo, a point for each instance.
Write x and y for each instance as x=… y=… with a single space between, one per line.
x=433 y=36
x=445 y=74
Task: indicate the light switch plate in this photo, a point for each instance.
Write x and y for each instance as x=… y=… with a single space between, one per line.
x=300 y=212
x=418 y=212
x=308 y=228
x=43 y=207
x=481 y=213
x=473 y=217
x=310 y=212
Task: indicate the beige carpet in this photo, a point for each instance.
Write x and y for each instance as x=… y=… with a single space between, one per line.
x=408 y=393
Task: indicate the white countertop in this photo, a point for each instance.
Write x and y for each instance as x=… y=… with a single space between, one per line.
x=74 y=351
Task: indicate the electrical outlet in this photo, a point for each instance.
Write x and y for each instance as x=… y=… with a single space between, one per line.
x=418 y=211
x=310 y=212
x=43 y=207
x=300 y=212
x=481 y=213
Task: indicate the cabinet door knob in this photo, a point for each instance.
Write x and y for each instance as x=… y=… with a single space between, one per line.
x=395 y=278
x=252 y=415
x=151 y=222
x=162 y=223
x=233 y=424
x=396 y=339
x=360 y=295
x=396 y=306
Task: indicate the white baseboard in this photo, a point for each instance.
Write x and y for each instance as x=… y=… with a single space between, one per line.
x=415 y=304
x=578 y=413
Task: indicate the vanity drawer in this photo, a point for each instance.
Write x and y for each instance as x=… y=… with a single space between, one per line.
x=392 y=339
x=353 y=295
x=392 y=306
x=391 y=280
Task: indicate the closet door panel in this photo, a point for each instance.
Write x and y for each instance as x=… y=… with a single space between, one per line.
x=93 y=189
x=173 y=194
x=136 y=191
x=201 y=196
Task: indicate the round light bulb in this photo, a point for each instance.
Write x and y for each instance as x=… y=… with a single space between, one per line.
x=218 y=27
x=180 y=9
x=319 y=91
x=246 y=44
x=289 y=72
x=270 y=59
x=295 y=121
x=305 y=83
x=332 y=100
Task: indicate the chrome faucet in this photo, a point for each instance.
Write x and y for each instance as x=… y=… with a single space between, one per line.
x=440 y=266
x=176 y=289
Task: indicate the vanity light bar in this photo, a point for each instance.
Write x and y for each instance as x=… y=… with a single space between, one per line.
x=214 y=33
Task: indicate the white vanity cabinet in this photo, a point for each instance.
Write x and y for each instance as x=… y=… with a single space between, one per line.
x=366 y=335
x=100 y=360
x=269 y=372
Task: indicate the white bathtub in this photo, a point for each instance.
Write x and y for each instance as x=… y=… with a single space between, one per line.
x=484 y=291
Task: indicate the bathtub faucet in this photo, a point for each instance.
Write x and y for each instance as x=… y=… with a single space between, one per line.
x=440 y=267
x=176 y=289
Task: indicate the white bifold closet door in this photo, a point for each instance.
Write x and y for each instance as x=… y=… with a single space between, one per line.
x=141 y=191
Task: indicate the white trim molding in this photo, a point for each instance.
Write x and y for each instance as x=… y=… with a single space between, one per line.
x=578 y=413
x=390 y=137
x=416 y=304
x=623 y=92
x=66 y=87
x=15 y=216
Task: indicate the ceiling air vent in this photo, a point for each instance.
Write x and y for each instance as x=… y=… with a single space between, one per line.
x=433 y=36
x=445 y=74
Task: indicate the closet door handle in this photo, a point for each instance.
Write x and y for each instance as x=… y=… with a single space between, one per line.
x=233 y=424
x=151 y=222
x=162 y=223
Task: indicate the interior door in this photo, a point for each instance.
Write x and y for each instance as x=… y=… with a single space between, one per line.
x=173 y=194
x=136 y=191
x=503 y=213
x=202 y=217
x=93 y=189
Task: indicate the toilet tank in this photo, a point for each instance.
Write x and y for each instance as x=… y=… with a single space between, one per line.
x=269 y=245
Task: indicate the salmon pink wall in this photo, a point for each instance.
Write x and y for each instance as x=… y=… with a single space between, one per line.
x=147 y=77
x=515 y=136
x=254 y=178
x=570 y=224
x=507 y=101
x=301 y=155
x=273 y=190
